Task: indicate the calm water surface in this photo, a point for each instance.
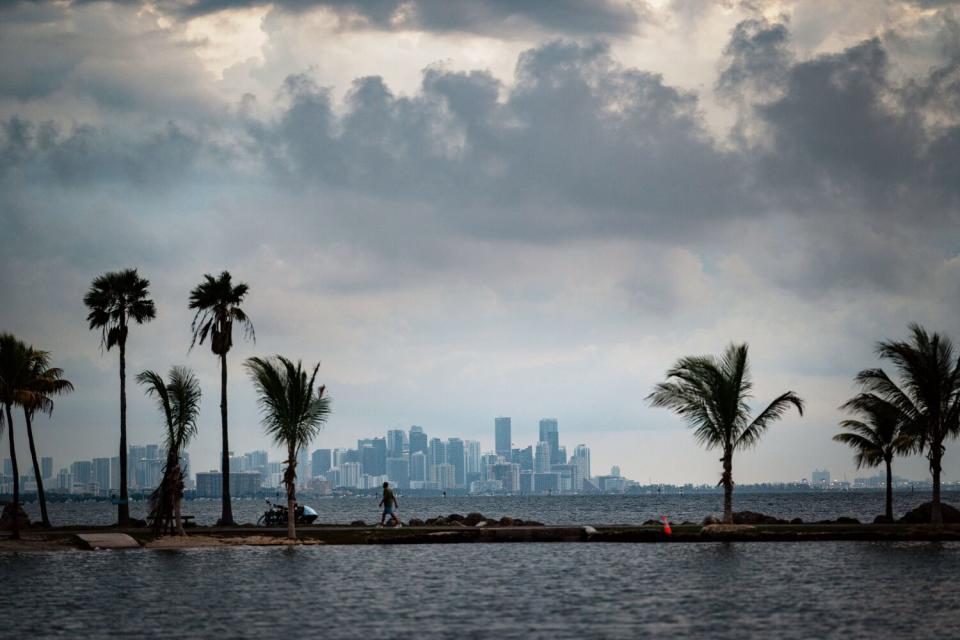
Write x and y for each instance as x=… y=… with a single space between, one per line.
x=602 y=509
x=741 y=590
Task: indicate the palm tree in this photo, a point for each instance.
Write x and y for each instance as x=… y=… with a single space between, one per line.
x=217 y=301
x=293 y=414
x=16 y=359
x=43 y=381
x=115 y=299
x=179 y=400
x=928 y=395
x=877 y=437
x=712 y=395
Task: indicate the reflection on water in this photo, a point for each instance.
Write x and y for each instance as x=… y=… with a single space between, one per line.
x=740 y=590
x=604 y=509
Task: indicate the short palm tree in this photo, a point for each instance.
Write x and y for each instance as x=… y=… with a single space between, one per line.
x=16 y=361
x=116 y=299
x=217 y=303
x=928 y=395
x=293 y=414
x=179 y=400
x=876 y=437
x=43 y=382
x=712 y=395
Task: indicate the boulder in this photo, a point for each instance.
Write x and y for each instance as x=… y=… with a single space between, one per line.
x=797 y=521
x=358 y=523
x=711 y=519
x=921 y=515
x=473 y=518
x=754 y=518
x=507 y=522
x=533 y=523
x=846 y=520
x=415 y=522
x=455 y=517
x=883 y=520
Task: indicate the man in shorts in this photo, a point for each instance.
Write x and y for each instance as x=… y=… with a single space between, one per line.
x=389 y=503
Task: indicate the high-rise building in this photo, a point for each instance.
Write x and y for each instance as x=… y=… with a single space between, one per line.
x=101 y=474
x=46 y=467
x=457 y=456
x=321 y=461
x=135 y=453
x=398 y=470
x=350 y=475
x=436 y=455
x=550 y=432
x=396 y=443
x=417 y=440
x=508 y=474
x=502 y=437
x=445 y=476
x=615 y=471
x=820 y=478
x=541 y=462
x=473 y=456
x=65 y=481
x=418 y=466
x=523 y=457
x=8 y=467
x=303 y=466
x=115 y=473
x=82 y=472
x=581 y=458
x=374 y=461
x=242 y=483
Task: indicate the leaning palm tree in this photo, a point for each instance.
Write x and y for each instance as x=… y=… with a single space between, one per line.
x=293 y=414
x=712 y=395
x=43 y=382
x=116 y=299
x=877 y=437
x=179 y=400
x=16 y=359
x=217 y=301
x=928 y=395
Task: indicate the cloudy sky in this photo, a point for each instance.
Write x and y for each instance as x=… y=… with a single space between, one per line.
x=472 y=208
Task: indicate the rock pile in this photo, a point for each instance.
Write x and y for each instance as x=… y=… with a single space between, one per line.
x=921 y=515
x=472 y=520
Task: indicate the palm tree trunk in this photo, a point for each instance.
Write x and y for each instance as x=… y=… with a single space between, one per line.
x=889 y=510
x=727 y=481
x=15 y=530
x=291 y=479
x=123 y=509
x=936 y=514
x=41 y=497
x=177 y=498
x=226 y=511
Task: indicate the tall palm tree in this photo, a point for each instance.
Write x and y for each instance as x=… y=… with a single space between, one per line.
x=116 y=299
x=293 y=414
x=877 y=437
x=43 y=382
x=217 y=301
x=712 y=395
x=928 y=395
x=16 y=359
x=179 y=400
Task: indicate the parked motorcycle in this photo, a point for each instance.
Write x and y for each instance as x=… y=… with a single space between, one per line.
x=276 y=515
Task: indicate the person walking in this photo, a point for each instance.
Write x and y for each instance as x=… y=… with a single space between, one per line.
x=389 y=503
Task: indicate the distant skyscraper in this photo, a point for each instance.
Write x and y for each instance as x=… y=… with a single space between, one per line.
x=820 y=477
x=101 y=474
x=473 y=456
x=8 y=467
x=46 y=467
x=581 y=458
x=524 y=458
x=418 y=466
x=82 y=472
x=303 y=466
x=321 y=462
x=615 y=471
x=396 y=439
x=502 y=437
x=115 y=473
x=541 y=463
x=457 y=456
x=375 y=462
x=550 y=432
x=417 y=440
x=398 y=470
x=350 y=475
x=445 y=476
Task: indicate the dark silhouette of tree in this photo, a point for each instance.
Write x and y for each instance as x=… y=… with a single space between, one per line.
x=712 y=395
x=927 y=396
x=179 y=400
x=116 y=299
x=43 y=382
x=876 y=437
x=16 y=361
x=217 y=303
x=293 y=414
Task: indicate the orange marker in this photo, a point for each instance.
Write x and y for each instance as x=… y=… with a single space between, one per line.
x=666 y=526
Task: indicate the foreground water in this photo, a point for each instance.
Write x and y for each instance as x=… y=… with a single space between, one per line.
x=714 y=590
x=601 y=509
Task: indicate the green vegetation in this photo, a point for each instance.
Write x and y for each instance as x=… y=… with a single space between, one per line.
x=293 y=413
x=115 y=299
x=217 y=303
x=179 y=400
x=712 y=395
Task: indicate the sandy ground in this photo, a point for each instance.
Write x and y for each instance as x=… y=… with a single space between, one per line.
x=198 y=541
x=35 y=543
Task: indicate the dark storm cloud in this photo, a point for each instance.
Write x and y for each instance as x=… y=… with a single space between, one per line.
x=756 y=58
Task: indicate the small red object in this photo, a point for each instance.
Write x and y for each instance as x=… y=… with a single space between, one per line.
x=666 y=526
